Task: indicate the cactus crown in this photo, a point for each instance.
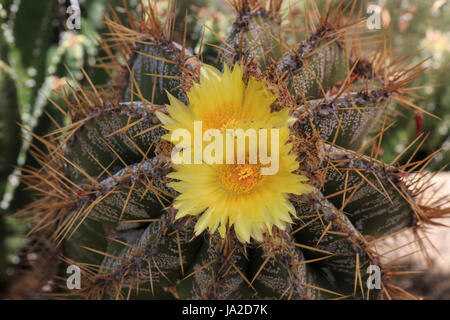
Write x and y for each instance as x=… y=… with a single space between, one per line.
x=114 y=203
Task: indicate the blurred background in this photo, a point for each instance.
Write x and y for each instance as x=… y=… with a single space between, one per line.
x=40 y=53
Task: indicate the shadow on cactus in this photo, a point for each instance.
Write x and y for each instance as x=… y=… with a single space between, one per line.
x=142 y=227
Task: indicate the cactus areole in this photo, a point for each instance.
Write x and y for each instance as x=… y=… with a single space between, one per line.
x=249 y=179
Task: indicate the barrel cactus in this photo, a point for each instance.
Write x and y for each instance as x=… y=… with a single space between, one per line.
x=141 y=225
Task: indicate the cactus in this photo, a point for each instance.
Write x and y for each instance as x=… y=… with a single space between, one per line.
x=415 y=22
x=9 y=144
x=142 y=227
x=33 y=54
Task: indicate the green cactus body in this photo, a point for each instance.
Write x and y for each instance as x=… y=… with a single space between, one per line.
x=109 y=197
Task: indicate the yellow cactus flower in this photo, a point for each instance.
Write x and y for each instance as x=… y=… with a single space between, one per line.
x=245 y=193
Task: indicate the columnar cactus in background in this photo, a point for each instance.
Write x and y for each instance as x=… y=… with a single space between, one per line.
x=9 y=144
x=141 y=226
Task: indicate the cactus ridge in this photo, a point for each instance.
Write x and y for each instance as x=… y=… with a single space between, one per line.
x=106 y=200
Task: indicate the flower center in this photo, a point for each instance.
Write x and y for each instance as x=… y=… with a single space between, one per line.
x=240 y=178
x=219 y=120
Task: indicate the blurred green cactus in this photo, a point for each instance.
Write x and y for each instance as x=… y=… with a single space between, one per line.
x=420 y=25
x=36 y=49
x=9 y=144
